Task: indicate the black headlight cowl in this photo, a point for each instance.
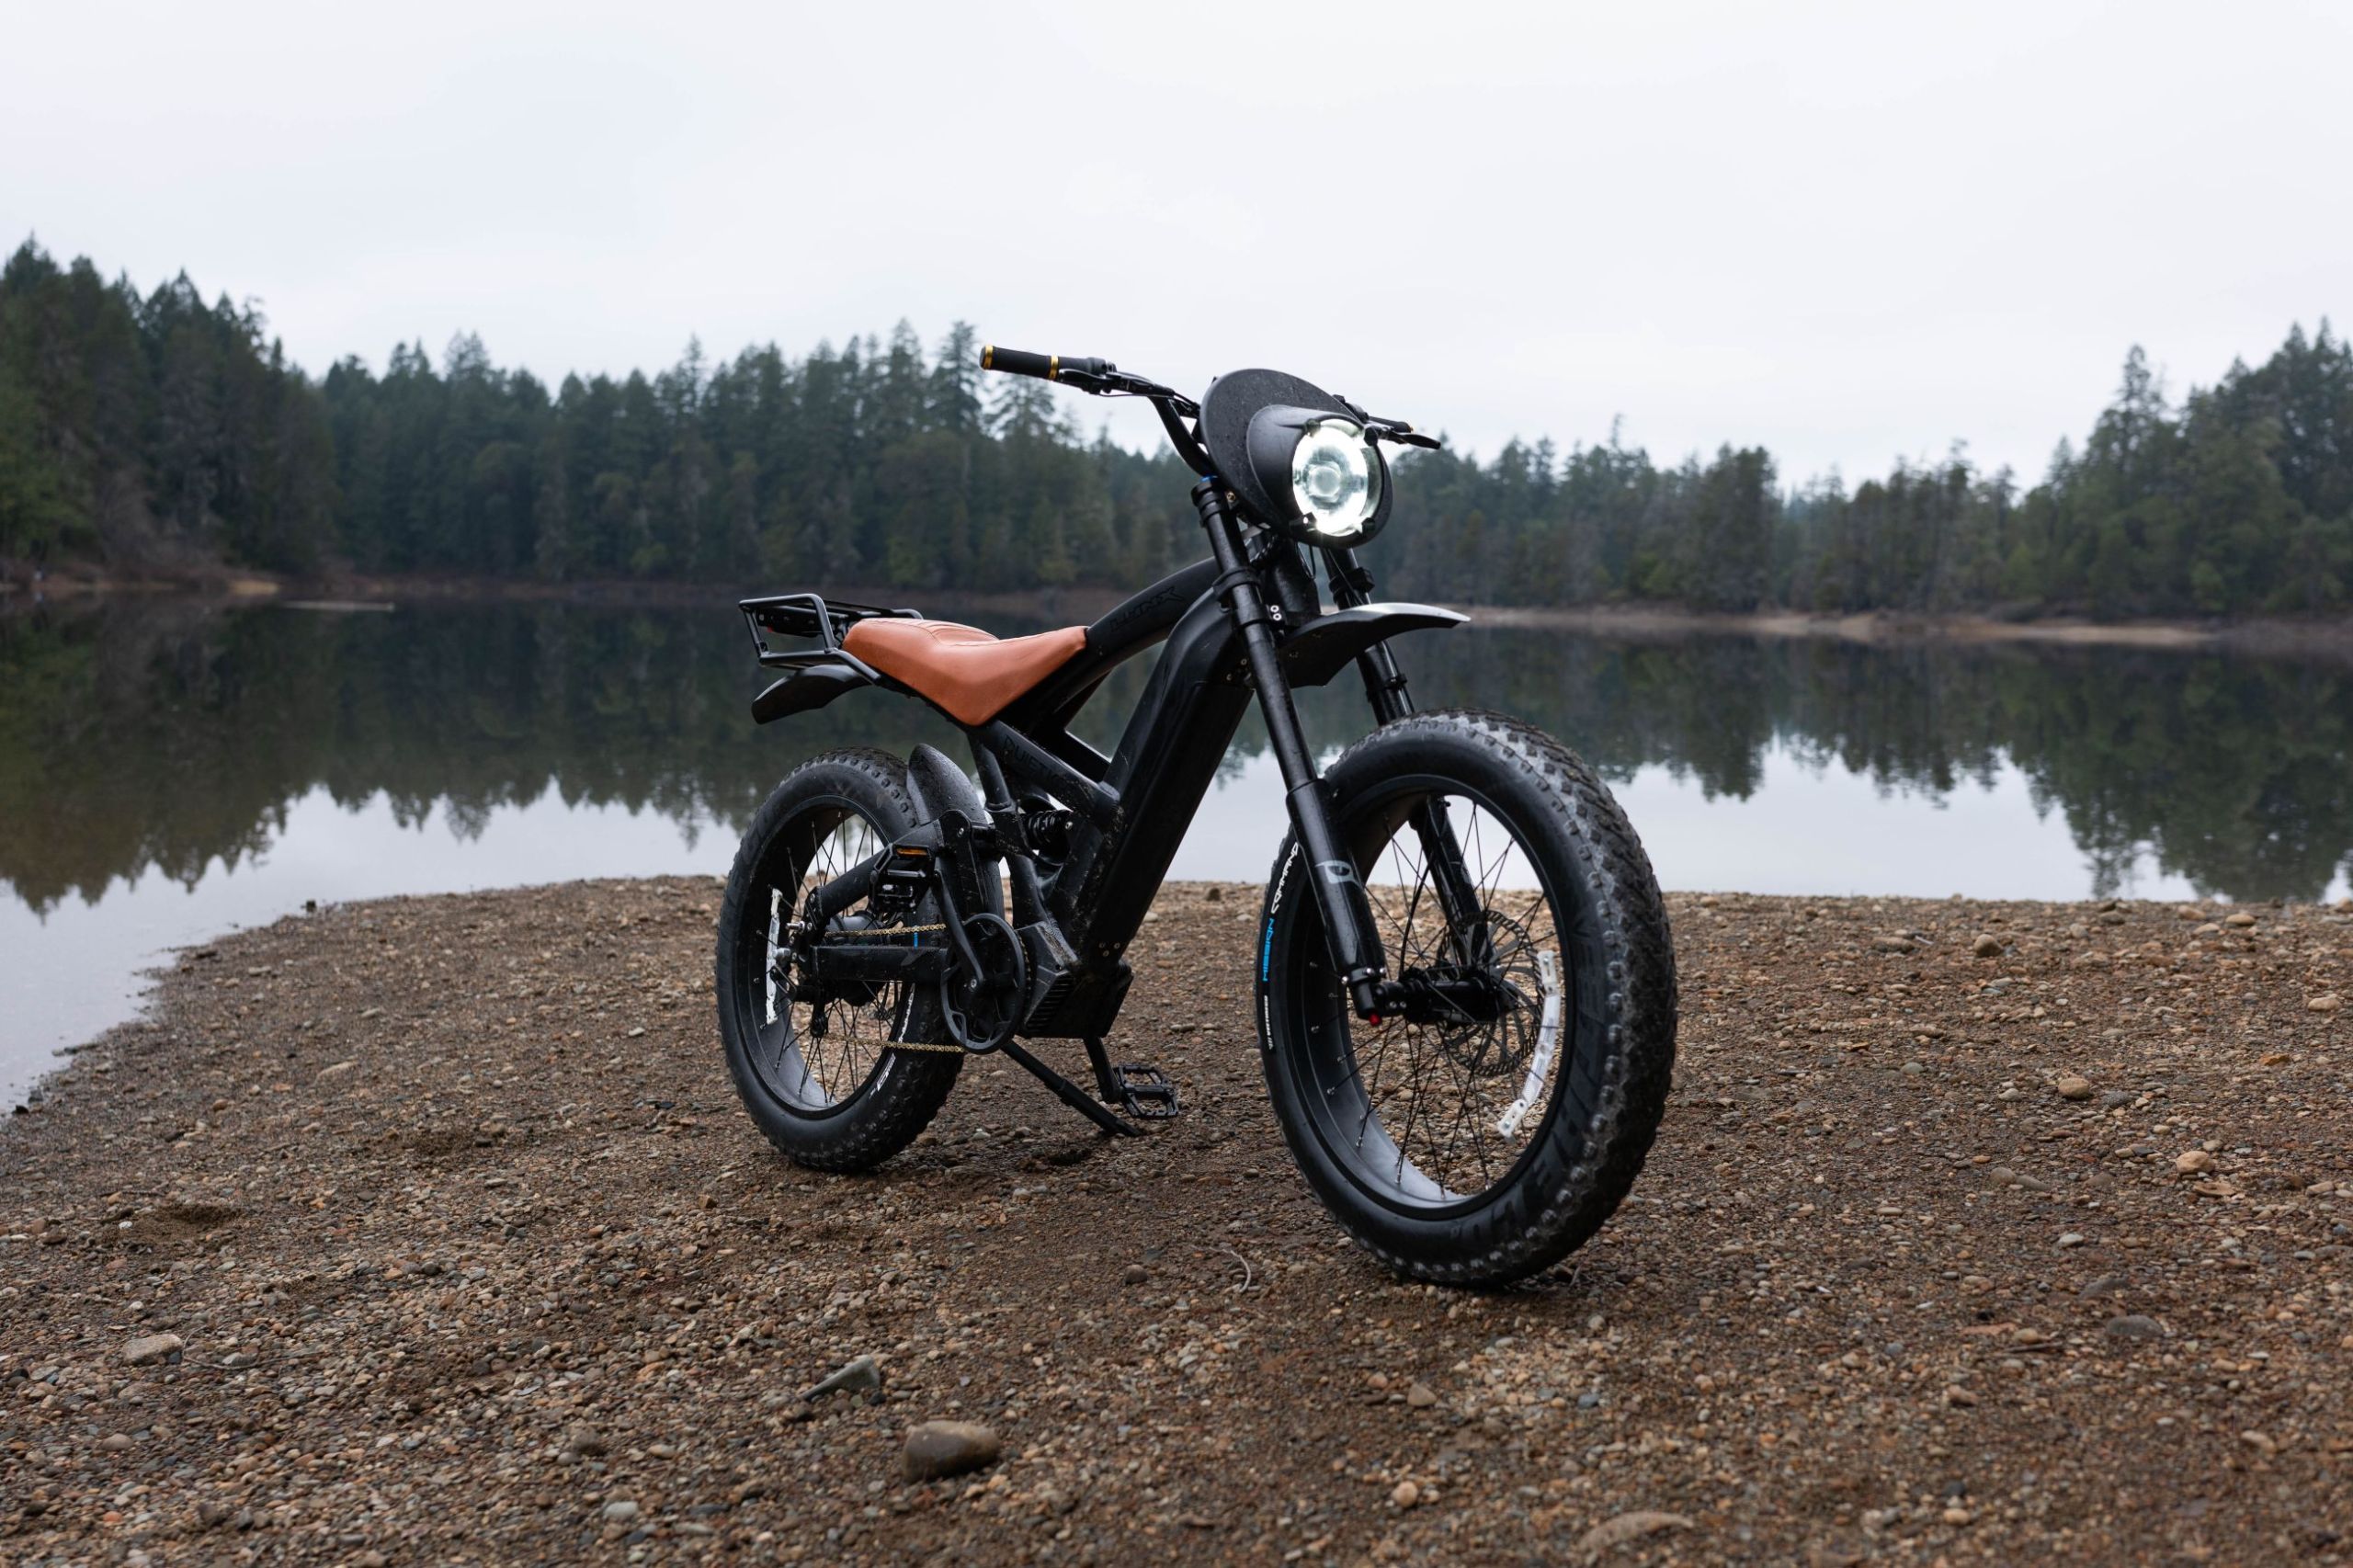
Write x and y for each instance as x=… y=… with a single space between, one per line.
x=1253 y=422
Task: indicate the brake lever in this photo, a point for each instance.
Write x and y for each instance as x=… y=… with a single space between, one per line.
x=1397 y=430
x=1116 y=382
x=1381 y=429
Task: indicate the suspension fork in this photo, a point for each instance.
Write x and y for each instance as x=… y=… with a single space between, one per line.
x=1340 y=898
x=1386 y=694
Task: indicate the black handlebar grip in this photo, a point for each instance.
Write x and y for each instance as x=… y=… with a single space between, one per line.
x=1045 y=367
x=1015 y=362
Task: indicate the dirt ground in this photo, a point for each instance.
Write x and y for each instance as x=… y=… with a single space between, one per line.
x=1976 y=1233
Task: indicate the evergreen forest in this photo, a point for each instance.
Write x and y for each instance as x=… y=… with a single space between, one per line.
x=154 y=433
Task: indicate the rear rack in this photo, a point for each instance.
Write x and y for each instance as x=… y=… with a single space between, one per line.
x=808 y=616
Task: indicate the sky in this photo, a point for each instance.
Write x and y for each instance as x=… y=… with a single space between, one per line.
x=1849 y=233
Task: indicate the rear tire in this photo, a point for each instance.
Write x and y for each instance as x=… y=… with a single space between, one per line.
x=1513 y=1136
x=843 y=1100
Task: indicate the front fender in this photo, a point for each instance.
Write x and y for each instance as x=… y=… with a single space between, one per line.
x=810 y=686
x=1324 y=647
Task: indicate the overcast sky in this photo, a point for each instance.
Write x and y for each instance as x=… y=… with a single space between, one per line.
x=1848 y=232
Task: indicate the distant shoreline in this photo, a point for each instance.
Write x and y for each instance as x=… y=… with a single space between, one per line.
x=2273 y=635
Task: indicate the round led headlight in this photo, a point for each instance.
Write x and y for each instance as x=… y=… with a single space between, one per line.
x=1319 y=475
x=1335 y=479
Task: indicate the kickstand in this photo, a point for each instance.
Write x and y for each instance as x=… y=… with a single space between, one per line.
x=1071 y=1095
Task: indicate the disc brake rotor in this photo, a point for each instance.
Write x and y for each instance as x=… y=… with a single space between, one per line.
x=1503 y=1046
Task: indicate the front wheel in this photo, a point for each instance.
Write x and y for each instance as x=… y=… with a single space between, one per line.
x=1493 y=1123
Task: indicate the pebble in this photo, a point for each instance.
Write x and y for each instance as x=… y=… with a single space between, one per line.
x=1421 y=1396
x=2326 y=1002
x=151 y=1347
x=619 y=1511
x=2196 y=1161
x=2072 y=1239
x=1406 y=1494
x=1987 y=946
x=2133 y=1325
x=2072 y=1087
x=2239 y=918
x=1625 y=1527
x=862 y=1375
x=939 y=1449
x=113 y=1443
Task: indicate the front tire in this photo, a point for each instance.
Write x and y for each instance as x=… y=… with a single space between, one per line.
x=1474 y=1147
x=834 y=1095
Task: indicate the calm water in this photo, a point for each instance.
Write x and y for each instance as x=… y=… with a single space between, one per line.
x=169 y=771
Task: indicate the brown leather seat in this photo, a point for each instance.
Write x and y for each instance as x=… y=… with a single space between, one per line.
x=963 y=669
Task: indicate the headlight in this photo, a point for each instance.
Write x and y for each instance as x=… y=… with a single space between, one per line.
x=1316 y=475
x=1335 y=479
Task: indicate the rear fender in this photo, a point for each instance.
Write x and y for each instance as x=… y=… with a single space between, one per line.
x=808 y=687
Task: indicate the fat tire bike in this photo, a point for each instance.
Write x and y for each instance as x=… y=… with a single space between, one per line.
x=1465 y=988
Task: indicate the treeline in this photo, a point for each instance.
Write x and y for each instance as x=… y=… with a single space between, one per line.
x=2240 y=501
x=155 y=429
x=137 y=430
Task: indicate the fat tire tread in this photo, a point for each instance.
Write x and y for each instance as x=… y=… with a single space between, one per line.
x=889 y=1111
x=1539 y=1221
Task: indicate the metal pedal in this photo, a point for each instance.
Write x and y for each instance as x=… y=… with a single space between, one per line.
x=1145 y=1092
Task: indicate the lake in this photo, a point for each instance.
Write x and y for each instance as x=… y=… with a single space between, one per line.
x=171 y=770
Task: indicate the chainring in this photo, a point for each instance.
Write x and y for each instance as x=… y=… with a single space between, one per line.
x=982 y=1009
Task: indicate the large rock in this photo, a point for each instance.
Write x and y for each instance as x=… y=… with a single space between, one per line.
x=937 y=1449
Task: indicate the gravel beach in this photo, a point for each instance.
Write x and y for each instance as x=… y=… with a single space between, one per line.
x=429 y=1231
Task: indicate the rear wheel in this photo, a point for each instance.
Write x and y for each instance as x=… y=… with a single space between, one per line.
x=827 y=1084
x=1495 y=1124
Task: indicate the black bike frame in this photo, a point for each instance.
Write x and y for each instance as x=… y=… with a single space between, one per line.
x=1245 y=621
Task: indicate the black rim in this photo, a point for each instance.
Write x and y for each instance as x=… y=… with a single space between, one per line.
x=811 y=1070
x=1434 y=1116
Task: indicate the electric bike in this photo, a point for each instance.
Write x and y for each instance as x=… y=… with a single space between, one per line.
x=1464 y=979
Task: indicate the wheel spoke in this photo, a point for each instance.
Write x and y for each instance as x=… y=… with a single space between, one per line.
x=1425 y=1092
x=816 y=1056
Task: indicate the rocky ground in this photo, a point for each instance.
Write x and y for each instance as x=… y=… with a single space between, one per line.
x=429 y=1231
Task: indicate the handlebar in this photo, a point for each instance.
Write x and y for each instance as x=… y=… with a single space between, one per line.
x=1103 y=379
x=1044 y=367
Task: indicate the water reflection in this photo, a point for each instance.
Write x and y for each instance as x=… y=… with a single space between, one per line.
x=153 y=754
